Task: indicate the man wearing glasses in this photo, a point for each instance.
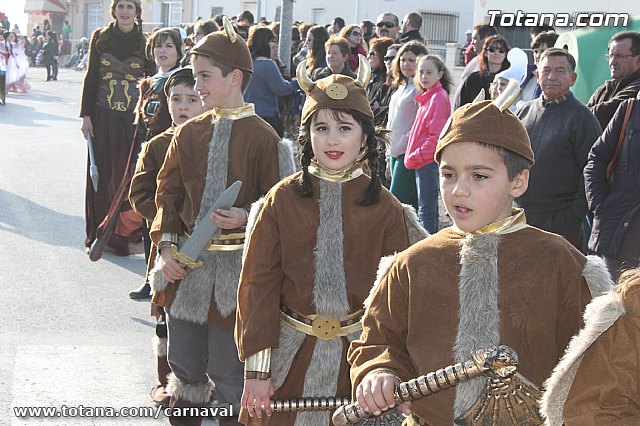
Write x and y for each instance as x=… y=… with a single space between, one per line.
x=411 y=28
x=624 y=64
x=387 y=25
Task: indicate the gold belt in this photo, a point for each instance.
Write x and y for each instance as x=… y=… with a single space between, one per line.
x=226 y=242
x=324 y=328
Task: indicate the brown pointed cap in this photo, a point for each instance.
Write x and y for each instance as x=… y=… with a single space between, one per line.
x=484 y=122
x=226 y=47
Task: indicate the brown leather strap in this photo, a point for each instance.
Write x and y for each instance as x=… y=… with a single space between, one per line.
x=612 y=164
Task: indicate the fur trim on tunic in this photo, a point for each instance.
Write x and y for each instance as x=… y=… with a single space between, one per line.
x=415 y=231
x=599 y=315
x=221 y=270
x=597 y=276
x=287 y=164
x=383 y=269
x=156 y=279
x=252 y=218
x=479 y=325
x=196 y=393
x=159 y=346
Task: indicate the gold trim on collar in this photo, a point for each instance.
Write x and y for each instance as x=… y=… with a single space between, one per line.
x=513 y=223
x=335 y=175
x=245 y=111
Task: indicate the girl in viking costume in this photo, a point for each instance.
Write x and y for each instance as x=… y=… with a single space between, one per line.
x=312 y=255
x=152 y=113
x=206 y=155
x=490 y=279
x=109 y=95
x=596 y=382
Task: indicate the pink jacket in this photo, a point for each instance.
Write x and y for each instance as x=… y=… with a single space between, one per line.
x=433 y=112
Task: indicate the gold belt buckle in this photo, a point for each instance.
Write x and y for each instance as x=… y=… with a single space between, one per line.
x=325 y=328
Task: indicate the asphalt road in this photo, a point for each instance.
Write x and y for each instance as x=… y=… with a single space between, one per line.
x=69 y=334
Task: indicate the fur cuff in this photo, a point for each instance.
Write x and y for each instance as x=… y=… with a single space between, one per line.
x=415 y=231
x=196 y=393
x=597 y=275
x=156 y=280
x=159 y=346
x=287 y=158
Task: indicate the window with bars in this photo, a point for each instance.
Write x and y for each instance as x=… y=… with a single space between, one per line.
x=216 y=11
x=171 y=13
x=94 y=17
x=439 y=27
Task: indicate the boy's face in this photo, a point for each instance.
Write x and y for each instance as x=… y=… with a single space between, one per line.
x=214 y=89
x=475 y=186
x=184 y=104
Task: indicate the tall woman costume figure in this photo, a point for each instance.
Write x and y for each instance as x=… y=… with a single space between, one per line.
x=164 y=47
x=110 y=92
x=313 y=253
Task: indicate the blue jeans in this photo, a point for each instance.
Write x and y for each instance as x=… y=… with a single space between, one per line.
x=427 y=184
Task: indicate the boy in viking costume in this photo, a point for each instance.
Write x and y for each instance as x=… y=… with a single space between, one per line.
x=206 y=155
x=596 y=382
x=313 y=253
x=489 y=279
x=183 y=104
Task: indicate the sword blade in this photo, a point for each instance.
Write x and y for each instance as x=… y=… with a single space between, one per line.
x=93 y=169
x=203 y=232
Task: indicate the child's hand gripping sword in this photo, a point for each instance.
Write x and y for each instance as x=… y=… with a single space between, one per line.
x=498 y=362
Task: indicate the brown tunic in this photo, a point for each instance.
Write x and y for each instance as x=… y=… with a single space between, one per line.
x=280 y=267
x=411 y=324
x=142 y=193
x=253 y=159
x=606 y=387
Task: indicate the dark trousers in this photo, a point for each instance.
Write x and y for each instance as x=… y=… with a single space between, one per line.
x=276 y=123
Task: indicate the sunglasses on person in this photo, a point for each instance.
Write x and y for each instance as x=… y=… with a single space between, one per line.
x=385 y=24
x=356 y=34
x=494 y=49
x=389 y=58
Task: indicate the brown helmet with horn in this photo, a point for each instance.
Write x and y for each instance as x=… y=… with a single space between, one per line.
x=226 y=47
x=488 y=122
x=336 y=91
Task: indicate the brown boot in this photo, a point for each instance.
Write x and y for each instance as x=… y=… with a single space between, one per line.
x=185 y=396
x=159 y=393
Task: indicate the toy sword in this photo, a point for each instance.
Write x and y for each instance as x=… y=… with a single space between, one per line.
x=498 y=361
x=202 y=233
x=93 y=169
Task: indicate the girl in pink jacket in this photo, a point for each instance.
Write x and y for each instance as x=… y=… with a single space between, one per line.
x=434 y=81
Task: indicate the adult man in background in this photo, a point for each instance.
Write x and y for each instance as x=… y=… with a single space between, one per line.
x=624 y=64
x=562 y=131
x=387 y=25
x=411 y=25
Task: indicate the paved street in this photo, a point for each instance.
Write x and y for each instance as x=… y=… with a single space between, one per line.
x=69 y=334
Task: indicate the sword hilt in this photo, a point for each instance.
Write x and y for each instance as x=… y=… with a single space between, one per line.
x=308 y=404
x=500 y=361
x=185 y=261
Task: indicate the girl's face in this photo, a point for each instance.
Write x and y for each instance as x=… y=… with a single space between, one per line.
x=496 y=53
x=125 y=13
x=165 y=54
x=337 y=143
x=273 y=48
x=429 y=74
x=388 y=58
x=408 y=64
x=355 y=37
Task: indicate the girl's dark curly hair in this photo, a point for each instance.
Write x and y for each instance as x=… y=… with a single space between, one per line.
x=375 y=145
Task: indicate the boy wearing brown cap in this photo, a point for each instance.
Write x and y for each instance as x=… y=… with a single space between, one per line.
x=489 y=279
x=206 y=155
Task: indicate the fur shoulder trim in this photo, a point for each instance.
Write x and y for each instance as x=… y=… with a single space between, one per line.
x=287 y=158
x=415 y=231
x=383 y=269
x=255 y=210
x=599 y=315
x=597 y=275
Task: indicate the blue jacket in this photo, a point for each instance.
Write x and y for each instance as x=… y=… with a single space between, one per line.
x=614 y=204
